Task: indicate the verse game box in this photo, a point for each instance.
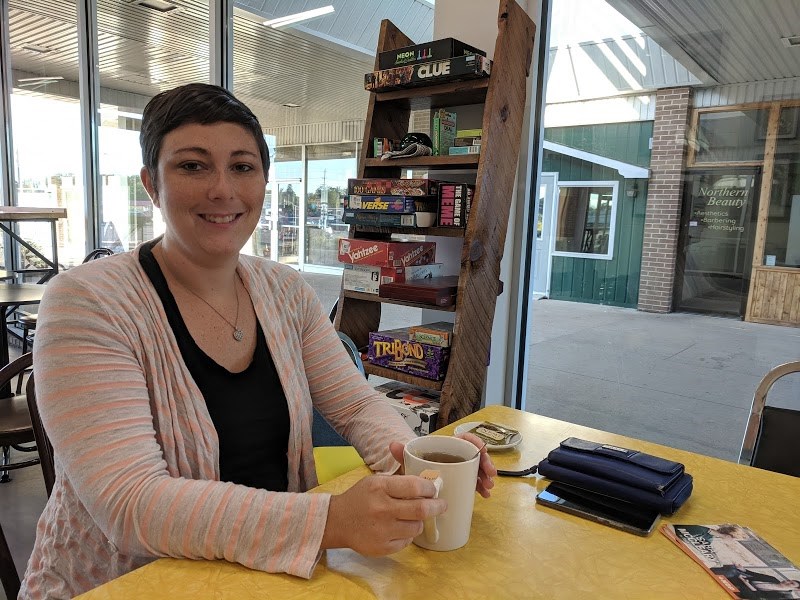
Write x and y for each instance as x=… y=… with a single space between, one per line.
x=386 y=254
x=435 y=50
x=470 y=66
x=394 y=349
x=393 y=187
x=455 y=201
x=391 y=204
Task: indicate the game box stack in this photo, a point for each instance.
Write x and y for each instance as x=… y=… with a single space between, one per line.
x=467 y=141
x=391 y=202
x=395 y=349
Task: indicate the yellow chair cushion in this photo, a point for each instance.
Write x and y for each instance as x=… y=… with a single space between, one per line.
x=332 y=461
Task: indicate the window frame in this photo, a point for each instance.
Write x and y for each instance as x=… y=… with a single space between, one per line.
x=614 y=185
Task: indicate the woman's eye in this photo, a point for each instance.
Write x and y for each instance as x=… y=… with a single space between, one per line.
x=243 y=168
x=191 y=166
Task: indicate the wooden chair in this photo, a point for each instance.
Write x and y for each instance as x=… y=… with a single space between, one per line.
x=772 y=437
x=15 y=420
x=8 y=571
x=46 y=455
x=27 y=321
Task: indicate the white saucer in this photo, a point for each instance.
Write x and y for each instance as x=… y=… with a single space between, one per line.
x=515 y=440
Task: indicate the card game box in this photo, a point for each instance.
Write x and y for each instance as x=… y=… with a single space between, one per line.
x=393 y=187
x=435 y=50
x=437 y=334
x=470 y=66
x=386 y=254
x=418 y=406
x=394 y=349
x=391 y=204
x=443 y=131
x=437 y=291
x=455 y=202
x=376 y=219
x=367 y=279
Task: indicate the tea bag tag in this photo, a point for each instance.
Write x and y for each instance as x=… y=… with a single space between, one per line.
x=429 y=525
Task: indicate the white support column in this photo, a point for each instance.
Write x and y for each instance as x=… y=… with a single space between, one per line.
x=220 y=47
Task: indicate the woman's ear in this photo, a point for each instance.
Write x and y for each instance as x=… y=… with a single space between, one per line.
x=150 y=186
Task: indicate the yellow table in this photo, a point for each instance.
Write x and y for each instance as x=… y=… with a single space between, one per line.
x=516 y=549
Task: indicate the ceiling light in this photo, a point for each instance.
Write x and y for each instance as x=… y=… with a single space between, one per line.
x=792 y=41
x=36 y=48
x=40 y=79
x=291 y=105
x=301 y=16
x=160 y=5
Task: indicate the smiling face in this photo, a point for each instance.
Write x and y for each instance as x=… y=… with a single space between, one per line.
x=210 y=188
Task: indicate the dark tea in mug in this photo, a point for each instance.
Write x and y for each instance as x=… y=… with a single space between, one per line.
x=441 y=457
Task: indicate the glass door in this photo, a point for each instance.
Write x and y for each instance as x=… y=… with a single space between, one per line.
x=716 y=240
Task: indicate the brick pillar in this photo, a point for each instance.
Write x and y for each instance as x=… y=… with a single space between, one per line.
x=664 y=197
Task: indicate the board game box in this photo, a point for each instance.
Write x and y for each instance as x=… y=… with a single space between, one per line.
x=418 y=406
x=393 y=349
x=435 y=50
x=470 y=66
x=393 y=187
x=386 y=254
x=455 y=202
x=391 y=204
x=437 y=291
x=367 y=279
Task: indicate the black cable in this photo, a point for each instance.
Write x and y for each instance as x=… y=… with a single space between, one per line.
x=529 y=471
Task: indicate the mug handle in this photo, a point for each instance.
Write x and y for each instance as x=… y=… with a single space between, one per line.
x=430 y=529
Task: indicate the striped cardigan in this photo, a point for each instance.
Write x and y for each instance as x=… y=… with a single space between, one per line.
x=137 y=456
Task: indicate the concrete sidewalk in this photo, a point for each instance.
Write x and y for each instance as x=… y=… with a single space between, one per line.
x=678 y=379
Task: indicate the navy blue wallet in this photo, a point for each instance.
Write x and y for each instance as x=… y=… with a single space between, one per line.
x=622 y=473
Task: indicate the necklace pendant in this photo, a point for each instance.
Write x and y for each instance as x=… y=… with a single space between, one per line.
x=238 y=335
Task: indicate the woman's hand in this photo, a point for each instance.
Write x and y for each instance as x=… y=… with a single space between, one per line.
x=380 y=514
x=486 y=470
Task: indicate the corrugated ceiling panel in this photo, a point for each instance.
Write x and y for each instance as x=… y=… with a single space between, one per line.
x=760 y=91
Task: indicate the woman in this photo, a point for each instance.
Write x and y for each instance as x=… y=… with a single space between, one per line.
x=177 y=381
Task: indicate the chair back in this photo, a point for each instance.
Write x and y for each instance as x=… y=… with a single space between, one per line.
x=46 y=455
x=98 y=253
x=772 y=437
x=322 y=434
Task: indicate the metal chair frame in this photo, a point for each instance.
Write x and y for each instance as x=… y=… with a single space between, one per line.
x=751 y=433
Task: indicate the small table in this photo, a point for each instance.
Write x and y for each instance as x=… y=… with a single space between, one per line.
x=516 y=549
x=14 y=294
x=12 y=214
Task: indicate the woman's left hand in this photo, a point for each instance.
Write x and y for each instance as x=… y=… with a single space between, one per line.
x=486 y=470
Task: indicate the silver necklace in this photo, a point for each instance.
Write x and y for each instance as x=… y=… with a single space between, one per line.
x=238 y=334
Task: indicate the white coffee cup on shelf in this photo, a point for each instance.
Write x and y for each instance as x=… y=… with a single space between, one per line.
x=426 y=219
x=456 y=462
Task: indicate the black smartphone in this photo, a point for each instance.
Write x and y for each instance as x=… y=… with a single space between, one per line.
x=597 y=507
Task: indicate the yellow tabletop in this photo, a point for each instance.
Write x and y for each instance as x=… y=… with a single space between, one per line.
x=516 y=548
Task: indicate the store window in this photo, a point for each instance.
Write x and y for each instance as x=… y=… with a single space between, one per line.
x=166 y=50
x=782 y=246
x=585 y=219
x=329 y=167
x=46 y=124
x=731 y=136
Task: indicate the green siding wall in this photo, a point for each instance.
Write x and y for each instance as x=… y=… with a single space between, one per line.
x=628 y=142
x=616 y=281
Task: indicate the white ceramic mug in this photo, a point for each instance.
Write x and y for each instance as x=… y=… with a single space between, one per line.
x=450 y=530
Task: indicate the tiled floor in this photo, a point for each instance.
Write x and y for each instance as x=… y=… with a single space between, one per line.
x=678 y=379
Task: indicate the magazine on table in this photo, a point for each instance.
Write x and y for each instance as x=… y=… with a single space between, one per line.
x=741 y=561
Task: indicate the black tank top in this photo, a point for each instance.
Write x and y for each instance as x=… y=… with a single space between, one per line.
x=248 y=409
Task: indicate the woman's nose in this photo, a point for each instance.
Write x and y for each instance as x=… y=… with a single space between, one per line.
x=221 y=185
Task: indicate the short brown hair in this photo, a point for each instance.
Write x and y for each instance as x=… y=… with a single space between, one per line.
x=200 y=103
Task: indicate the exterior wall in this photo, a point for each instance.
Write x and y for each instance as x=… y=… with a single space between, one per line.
x=662 y=223
x=626 y=142
x=614 y=282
